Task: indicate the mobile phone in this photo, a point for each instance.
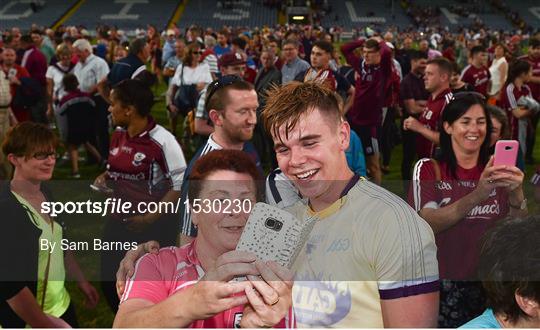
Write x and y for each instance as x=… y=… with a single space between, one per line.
x=273 y=234
x=506 y=152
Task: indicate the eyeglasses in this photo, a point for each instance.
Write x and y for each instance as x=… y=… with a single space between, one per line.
x=44 y=155
x=199 y=52
x=219 y=84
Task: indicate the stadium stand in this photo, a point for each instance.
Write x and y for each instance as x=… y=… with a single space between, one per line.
x=215 y=14
x=126 y=14
x=20 y=12
x=354 y=14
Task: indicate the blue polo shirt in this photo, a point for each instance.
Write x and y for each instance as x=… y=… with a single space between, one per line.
x=126 y=68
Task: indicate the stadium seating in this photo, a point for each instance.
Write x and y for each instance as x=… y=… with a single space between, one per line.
x=357 y=14
x=209 y=13
x=126 y=14
x=19 y=13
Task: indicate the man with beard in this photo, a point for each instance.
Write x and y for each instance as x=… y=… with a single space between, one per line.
x=231 y=104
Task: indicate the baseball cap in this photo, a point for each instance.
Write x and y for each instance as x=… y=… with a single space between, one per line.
x=230 y=59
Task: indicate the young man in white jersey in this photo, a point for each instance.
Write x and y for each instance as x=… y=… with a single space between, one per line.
x=370 y=260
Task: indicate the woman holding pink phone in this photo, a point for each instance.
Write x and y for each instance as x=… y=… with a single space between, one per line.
x=461 y=194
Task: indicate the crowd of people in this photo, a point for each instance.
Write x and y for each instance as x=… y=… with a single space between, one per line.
x=316 y=121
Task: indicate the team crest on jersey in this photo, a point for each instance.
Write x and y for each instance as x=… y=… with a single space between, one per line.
x=138 y=158
x=114 y=151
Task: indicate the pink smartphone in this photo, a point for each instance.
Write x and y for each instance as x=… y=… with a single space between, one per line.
x=506 y=152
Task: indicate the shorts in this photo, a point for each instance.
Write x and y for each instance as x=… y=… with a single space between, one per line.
x=369 y=135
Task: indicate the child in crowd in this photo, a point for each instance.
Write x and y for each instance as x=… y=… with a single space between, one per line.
x=78 y=107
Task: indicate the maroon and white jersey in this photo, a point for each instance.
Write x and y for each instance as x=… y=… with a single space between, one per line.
x=477 y=77
x=535 y=65
x=175 y=269
x=458 y=246
x=371 y=85
x=508 y=101
x=144 y=167
x=430 y=118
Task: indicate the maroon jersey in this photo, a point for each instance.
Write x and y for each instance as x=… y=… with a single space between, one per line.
x=143 y=168
x=509 y=98
x=370 y=89
x=477 y=77
x=458 y=246
x=430 y=118
x=535 y=64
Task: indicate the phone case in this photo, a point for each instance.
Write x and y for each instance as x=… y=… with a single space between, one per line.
x=273 y=234
x=506 y=152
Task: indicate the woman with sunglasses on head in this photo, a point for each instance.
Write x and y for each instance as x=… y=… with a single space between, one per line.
x=192 y=72
x=32 y=277
x=461 y=194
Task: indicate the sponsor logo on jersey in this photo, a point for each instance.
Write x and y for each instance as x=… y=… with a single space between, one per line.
x=321 y=304
x=485 y=210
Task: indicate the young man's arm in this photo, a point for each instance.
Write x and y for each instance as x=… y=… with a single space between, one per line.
x=418 y=311
x=348 y=51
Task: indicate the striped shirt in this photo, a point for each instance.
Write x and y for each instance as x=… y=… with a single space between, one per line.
x=186 y=225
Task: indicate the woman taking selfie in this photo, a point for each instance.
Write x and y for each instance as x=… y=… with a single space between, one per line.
x=461 y=195
x=190 y=286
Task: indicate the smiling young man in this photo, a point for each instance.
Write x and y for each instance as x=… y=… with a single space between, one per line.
x=370 y=260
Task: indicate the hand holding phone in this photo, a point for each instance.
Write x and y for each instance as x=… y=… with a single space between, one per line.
x=273 y=234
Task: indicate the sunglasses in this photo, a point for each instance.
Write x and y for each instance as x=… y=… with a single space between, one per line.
x=199 y=52
x=218 y=84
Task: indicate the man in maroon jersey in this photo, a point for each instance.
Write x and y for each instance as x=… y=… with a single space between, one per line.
x=365 y=117
x=437 y=81
x=533 y=57
x=477 y=74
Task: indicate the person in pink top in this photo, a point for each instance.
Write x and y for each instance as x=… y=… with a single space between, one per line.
x=191 y=286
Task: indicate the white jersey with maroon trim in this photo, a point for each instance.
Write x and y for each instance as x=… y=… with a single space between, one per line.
x=366 y=247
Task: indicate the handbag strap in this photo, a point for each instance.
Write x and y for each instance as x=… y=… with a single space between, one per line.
x=182 y=75
x=46 y=279
x=48 y=266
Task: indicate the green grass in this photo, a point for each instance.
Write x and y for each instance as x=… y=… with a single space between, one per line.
x=85 y=227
